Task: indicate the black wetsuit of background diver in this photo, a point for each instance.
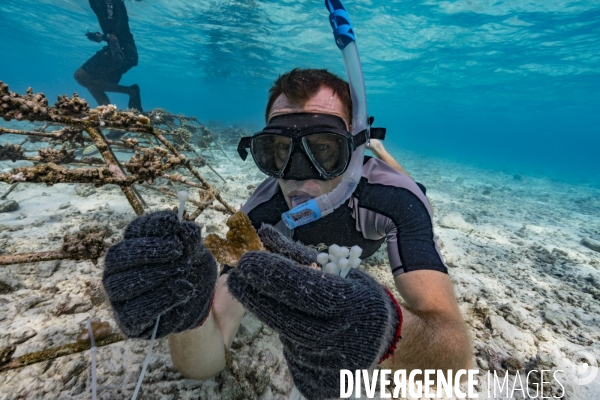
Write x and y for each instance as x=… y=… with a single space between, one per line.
x=104 y=70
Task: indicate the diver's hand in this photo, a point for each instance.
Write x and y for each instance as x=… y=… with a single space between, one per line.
x=325 y=322
x=115 y=49
x=160 y=268
x=275 y=242
x=375 y=146
x=94 y=36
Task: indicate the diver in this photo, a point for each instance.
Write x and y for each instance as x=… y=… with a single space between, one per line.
x=325 y=323
x=103 y=72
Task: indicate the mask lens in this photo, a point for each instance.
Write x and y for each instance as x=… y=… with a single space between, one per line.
x=328 y=151
x=271 y=152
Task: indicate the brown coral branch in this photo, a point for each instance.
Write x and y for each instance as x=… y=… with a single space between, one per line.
x=133 y=200
x=182 y=179
x=167 y=192
x=10 y=189
x=104 y=149
x=8 y=259
x=66 y=134
x=219 y=208
x=204 y=182
x=83 y=161
x=73 y=111
x=114 y=166
x=206 y=199
x=51 y=174
x=11 y=152
x=56 y=352
x=62 y=156
x=87 y=245
x=139 y=196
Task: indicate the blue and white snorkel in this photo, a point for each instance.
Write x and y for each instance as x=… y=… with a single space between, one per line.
x=323 y=205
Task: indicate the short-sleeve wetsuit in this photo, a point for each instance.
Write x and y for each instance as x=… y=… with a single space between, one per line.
x=386 y=206
x=113 y=19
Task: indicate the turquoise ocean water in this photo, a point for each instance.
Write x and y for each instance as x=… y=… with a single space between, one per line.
x=511 y=85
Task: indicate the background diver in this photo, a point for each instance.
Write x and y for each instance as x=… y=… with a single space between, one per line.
x=103 y=71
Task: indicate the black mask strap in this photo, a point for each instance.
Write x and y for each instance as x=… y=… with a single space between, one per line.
x=243 y=145
x=370 y=133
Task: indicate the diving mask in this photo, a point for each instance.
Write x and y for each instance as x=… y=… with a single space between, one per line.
x=303 y=146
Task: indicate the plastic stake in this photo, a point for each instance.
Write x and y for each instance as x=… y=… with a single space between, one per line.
x=93 y=350
x=146 y=361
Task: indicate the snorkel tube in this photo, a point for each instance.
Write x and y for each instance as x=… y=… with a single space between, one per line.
x=323 y=205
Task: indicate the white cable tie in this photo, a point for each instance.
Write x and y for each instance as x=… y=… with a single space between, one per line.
x=344 y=272
x=322 y=258
x=331 y=268
x=183 y=196
x=334 y=250
x=146 y=361
x=354 y=263
x=93 y=351
x=343 y=263
x=344 y=252
x=355 y=252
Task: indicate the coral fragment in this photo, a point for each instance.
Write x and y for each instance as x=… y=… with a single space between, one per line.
x=242 y=237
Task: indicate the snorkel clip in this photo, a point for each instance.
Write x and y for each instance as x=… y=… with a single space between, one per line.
x=341 y=24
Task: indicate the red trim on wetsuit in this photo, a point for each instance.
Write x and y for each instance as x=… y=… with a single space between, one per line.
x=392 y=349
x=212 y=300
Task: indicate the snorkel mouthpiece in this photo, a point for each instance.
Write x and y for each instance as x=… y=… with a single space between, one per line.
x=307 y=212
x=323 y=205
x=297 y=200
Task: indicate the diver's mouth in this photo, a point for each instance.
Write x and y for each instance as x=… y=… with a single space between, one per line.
x=297 y=198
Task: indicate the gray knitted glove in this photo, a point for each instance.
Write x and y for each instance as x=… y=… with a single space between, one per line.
x=160 y=268
x=275 y=242
x=325 y=322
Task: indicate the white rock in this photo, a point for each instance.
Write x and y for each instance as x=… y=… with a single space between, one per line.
x=591 y=243
x=455 y=221
x=522 y=341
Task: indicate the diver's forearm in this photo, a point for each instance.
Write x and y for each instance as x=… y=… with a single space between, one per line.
x=387 y=158
x=198 y=353
x=228 y=311
x=432 y=340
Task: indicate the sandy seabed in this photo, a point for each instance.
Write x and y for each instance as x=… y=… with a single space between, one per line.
x=526 y=285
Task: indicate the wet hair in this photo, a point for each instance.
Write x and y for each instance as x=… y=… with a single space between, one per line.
x=299 y=85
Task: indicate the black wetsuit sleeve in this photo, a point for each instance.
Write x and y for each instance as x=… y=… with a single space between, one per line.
x=113 y=19
x=410 y=238
x=104 y=10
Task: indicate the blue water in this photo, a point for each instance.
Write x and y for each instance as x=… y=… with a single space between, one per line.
x=512 y=85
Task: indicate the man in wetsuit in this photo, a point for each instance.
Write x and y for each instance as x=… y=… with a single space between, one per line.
x=325 y=322
x=102 y=72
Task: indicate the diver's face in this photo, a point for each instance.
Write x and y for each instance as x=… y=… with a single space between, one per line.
x=324 y=102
